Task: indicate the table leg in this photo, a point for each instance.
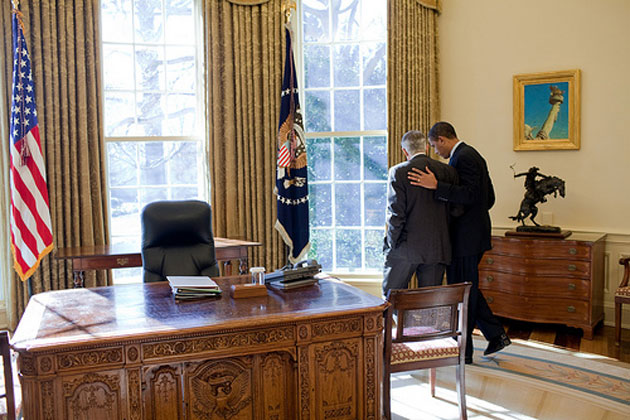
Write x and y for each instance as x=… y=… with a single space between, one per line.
x=242 y=266
x=227 y=268
x=77 y=277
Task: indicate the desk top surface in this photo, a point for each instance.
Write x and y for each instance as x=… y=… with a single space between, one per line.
x=148 y=310
x=132 y=249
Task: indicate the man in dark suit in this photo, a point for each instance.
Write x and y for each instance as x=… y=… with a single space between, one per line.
x=417 y=239
x=470 y=232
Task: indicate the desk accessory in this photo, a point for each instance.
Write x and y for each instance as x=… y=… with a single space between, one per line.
x=247 y=290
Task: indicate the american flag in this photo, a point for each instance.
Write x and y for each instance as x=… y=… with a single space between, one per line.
x=31 y=231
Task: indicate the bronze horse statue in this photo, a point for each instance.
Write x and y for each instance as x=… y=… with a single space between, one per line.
x=537 y=189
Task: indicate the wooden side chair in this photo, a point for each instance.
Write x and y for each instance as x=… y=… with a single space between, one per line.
x=430 y=331
x=622 y=295
x=8 y=394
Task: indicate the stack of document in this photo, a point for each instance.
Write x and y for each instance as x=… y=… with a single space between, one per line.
x=193 y=287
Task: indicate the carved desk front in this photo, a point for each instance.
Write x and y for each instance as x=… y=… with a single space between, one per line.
x=133 y=352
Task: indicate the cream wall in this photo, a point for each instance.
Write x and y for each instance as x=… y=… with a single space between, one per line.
x=483 y=43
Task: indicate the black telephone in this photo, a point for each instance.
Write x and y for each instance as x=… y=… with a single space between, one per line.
x=303 y=270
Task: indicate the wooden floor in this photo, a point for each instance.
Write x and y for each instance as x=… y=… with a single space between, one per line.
x=603 y=342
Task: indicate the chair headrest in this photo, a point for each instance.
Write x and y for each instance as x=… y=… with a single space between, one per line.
x=172 y=223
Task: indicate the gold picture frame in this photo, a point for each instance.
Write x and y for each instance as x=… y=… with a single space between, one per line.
x=547 y=111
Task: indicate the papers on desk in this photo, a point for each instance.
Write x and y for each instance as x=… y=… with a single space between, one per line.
x=193 y=287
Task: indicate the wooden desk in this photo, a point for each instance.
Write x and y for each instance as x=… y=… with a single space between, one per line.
x=132 y=352
x=105 y=257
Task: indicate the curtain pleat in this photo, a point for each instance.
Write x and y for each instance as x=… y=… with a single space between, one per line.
x=413 y=101
x=62 y=38
x=243 y=55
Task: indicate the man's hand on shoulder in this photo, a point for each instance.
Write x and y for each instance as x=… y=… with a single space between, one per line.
x=423 y=179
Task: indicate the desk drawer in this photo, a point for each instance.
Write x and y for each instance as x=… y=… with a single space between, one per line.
x=541 y=248
x=570 y=288
x=533 y=267
x=538 y=309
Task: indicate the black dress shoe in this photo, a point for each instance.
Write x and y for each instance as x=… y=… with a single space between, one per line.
x=497 y=343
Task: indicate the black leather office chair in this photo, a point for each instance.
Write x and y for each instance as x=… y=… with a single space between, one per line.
x=177 y=240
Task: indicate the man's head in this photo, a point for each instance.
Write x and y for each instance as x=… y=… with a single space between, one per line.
x=443 y=138
x=413 y=142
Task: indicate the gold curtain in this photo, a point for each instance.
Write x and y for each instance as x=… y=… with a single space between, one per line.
x=244 y=48
x=413 y=101
x=62 y=38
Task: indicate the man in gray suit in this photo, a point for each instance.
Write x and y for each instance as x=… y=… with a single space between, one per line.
x=417 y=239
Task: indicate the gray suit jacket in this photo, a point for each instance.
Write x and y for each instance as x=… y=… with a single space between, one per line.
x=417 y=224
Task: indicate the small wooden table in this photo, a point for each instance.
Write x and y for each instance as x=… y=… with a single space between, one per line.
x=105 y=257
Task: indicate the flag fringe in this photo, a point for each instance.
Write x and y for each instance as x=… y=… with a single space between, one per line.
x=30 y=271
x=289 y=242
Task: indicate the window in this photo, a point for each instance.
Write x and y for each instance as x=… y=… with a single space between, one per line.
x=345 y=109
x=152 y=108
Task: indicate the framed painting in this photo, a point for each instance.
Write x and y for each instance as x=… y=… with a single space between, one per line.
x=547 y=111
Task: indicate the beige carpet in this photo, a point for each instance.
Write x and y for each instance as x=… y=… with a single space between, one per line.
x=525 y=381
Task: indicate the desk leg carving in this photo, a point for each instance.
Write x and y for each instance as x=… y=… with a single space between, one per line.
x=227 y=268
x=78 y=276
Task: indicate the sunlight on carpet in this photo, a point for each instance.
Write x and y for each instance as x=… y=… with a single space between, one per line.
x=525 y=381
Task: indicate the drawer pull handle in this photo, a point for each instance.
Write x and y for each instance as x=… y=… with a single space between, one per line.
x=490 y=299
x=122 y=261
x=571 y=286
x=571 y=309
x=572 y=251
x=572 y=267
x=489 y=279
x=490 y=261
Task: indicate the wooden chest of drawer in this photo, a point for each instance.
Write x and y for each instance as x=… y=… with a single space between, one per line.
x=546 y=280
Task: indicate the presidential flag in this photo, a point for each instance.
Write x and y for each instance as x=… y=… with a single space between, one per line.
x=31 y=230
x=291 y=170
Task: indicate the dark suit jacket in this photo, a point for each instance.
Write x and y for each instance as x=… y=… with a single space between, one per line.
x=470 y=232
x=417 y=224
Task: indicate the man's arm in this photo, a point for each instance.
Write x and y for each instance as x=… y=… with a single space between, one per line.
x=396 y=204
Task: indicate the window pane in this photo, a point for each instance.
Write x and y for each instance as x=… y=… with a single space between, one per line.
x=150 y=108
x=179 y=18
x=317 y=111
x=348 y=253
x=152 y=163
x=374 y=258
x=374 y=63
x=318 y=152
x=125 y=211
x=348 y=204
x=180 y=69
x=320 y=205
x=322 y=248
x=375 y=109
x=181 y=119
x=374 y=19
x=119 y=114
x=122 y=163
x=315 y=15
x=185 y=193
x=148 y=21
x=375 y=158
x=375 y=199
x=346 y=25
x=118 y=66
x=116 y=16
x=347 y=158
x=183 y=162
x=150 y=68
x=347 y=111
x=346 y=67
x=316 y=66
